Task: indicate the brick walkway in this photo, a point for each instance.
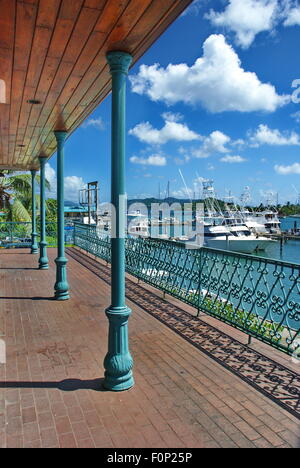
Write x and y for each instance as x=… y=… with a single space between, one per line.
x=55 y=350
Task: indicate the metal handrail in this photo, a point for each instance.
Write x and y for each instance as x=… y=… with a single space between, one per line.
x=258 y=296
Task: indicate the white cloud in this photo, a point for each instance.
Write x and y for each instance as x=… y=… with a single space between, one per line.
x=153 y=160
x=194 y=8
x=232 y=159
x=267 y=136
x=72 y=184
x=96 y=123
x=215 y=143
x=183 y=192
x=172 y=130
x=296 y=116
x=216 y=81
x=293 y=16
x=50 y=175
x=286 y=170
x=246 y=18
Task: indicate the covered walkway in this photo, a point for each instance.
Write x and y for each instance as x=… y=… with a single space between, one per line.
x=185 y=396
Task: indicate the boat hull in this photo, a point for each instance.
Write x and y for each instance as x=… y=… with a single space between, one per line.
x=239 y=245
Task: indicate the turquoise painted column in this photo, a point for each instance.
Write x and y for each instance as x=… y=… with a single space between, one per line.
x=43 y=260
x=118 y=361
x=34 y=246
x=61 y=286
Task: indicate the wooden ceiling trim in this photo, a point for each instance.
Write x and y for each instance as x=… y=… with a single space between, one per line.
x=154 y=8
x=7 y=37
x=61 y=80
x=111 y=14
x=46 y=19
x=58 y=57
x=88 y=100
x=128 y=20
x=26 y=14
x=65 y=21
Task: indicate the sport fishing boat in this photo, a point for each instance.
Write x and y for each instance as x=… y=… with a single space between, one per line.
x=234 y=237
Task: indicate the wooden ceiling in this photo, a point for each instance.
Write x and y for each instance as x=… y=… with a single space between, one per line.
x=53 y=51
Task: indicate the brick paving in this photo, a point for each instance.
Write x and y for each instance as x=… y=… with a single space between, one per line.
x=52 y=394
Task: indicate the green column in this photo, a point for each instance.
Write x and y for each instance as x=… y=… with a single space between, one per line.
x=118 y=361
x=43 y=260
x=34 y=246
x=61 y=286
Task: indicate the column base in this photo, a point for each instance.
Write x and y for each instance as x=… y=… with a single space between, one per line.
x=61 y=296
x=43 y=260
x=61 y=286
x=118 y=362
x=34 y=246
x=120 y=384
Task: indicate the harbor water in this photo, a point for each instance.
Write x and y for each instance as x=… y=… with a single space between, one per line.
x=291 y=248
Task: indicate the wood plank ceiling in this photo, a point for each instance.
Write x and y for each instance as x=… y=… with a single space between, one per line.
x=53 y=52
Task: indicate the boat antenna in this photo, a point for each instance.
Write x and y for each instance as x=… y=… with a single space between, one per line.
x=186 y=187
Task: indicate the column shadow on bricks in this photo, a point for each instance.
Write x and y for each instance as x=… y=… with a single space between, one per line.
x=67 y=385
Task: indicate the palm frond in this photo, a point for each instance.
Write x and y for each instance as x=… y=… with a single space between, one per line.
x=20 y=184
x=47 y=183
x=19 y=212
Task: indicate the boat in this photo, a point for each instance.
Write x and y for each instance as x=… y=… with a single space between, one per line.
x=138 y=224
x=234 y=237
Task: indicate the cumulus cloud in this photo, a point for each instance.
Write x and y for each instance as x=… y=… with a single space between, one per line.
x=96 y=123
x=171 y=131
x=50 y=175
x=293 y=16
x=72 y=184
x=267 y=136
x=153 y=160
x=214 y=143
x=286 y=170
x=216 y=81
x=246 y=18
x=233 y=159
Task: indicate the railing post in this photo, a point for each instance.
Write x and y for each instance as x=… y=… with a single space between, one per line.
x=118 y=361
x=43 y=260
x=61 y=286
x=34 y=246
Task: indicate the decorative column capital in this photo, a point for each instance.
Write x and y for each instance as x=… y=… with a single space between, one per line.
x=43 y=160
x=60 y=136
x=33 y=172
x=118 y=61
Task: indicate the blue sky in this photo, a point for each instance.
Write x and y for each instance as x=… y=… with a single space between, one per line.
x=212 y=98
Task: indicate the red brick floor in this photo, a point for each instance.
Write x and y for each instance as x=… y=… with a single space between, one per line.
x=55 y=351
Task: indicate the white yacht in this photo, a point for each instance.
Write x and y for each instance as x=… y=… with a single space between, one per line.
x=263 y=222
x=138 y=224
x=235 y=237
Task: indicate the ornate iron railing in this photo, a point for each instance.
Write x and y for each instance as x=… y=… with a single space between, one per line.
x=18 y=234
x=259 y=296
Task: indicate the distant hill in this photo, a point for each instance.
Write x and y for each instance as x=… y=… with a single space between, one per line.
x=70 y=203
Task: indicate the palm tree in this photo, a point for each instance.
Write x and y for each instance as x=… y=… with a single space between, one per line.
x=15 y=195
